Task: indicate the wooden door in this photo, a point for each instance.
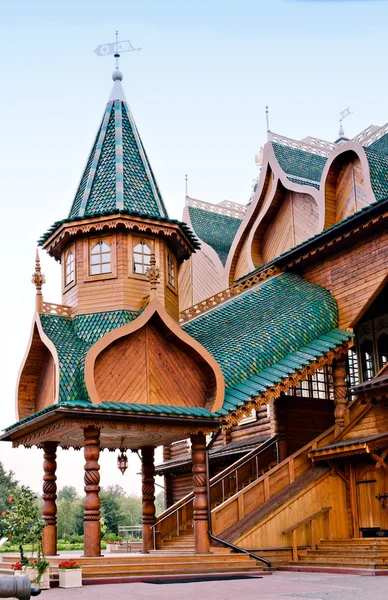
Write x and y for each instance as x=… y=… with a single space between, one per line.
x=370 y=483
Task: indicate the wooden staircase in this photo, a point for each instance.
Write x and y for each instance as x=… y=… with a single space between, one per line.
x=365 y=553
x=157 y=563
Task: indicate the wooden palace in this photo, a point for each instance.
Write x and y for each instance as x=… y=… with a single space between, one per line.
x=250 y=341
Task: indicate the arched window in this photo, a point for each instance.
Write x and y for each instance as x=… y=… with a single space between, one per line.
x=69 y=268
x=100 y=259
x=170 y=270
x=141 y=257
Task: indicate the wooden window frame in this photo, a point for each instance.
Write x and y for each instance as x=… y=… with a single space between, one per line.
x=173 y=288
x=68 y=286
x=251 y=418
x=88 y=245
x=133 y=240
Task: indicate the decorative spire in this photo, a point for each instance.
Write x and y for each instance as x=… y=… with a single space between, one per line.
x=267 y=120
x=38 y=279
x=153 y=274
x=118 y=175
x=341 y=133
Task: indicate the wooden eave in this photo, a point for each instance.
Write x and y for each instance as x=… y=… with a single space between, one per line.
x=49 y=426
x=353 y=446
x=69 y=229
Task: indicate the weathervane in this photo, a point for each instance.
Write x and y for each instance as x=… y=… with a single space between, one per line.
x=115 y=48
x=343 y=114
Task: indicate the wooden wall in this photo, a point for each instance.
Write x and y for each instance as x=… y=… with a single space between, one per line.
x=345 y=189
x=329 y=491
x=36 y=384
x=354 y=275
x=295 y=221
x=301 y=419
x=125 y=290
x=373 y=422
x=144 y=367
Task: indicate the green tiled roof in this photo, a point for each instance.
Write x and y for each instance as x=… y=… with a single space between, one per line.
x=216 y=230
x=300 y=164
x=302 y=181
x=73 y=338
x=118 y=175
x=264 y=325
x=378 y=167
x=258 y=338
x=380 y=146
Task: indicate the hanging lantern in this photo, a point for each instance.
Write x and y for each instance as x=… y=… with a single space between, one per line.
x=122 y=459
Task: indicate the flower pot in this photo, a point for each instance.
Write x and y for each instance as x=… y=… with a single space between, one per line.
x=109 y=547
x=70 y=578
x=44 y=583
x=18 y=573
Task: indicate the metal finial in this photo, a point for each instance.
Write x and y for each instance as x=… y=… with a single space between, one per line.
x=115 y=48
x=153 y=274
x=267 y=120
x=38 y=279
x=343 y=114
x=187 y=185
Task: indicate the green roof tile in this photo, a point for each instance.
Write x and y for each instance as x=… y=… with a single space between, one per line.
x=214 y=229
x=300 y=164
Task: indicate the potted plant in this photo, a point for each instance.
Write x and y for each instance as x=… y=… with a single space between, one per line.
x=17 y=569
x=39 y=572
x=70 y=574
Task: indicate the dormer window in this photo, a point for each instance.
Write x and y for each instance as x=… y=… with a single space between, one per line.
x=100 y=258
x=141 y=257
x=69 y=268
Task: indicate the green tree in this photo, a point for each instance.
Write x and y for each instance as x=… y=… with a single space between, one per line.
x=110 y=508
x=22 y=522
x=8 y=486
x=159 y=502
x=130 y=510
x=69 y=518
x=68 y=492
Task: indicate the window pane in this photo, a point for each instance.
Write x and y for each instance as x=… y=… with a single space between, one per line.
x=105 y=268
x=95 y=249
x=138 y=248
x=95 y=269
x=104 y=247
x=95 y=259
x=146 y=249
x=147 y=260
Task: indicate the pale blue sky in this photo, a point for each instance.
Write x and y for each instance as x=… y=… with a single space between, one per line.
x=198 y=91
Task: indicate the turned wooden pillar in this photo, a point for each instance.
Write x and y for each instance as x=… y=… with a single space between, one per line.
x=49 y=498
x=200 y=505
x=148 y=496
x=340 y=392
x=92 y=533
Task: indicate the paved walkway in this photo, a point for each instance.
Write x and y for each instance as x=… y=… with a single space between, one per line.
x=299 y=586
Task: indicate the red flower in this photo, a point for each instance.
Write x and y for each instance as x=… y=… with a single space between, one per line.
x=17 y=566
x=3 y=513
x=68 y=564
x=10 y=537
x=10 y=499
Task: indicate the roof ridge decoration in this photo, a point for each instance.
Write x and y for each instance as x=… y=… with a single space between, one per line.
x=310 y=144
x=224 y=208
x=118 y=175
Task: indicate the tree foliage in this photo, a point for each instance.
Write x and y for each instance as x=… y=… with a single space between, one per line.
x=8 y=485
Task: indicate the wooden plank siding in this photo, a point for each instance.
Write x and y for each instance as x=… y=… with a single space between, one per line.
x=123 y=291
x=354 y=275
x=145 y=368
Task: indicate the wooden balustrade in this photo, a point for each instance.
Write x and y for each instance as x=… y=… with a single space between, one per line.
x=263 y=489
x=312 y=520
x=226 y=483
x=56 y=309
x=230 y=292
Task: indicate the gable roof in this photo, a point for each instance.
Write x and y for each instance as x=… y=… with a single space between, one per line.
x=215 y=229
x=118 y=175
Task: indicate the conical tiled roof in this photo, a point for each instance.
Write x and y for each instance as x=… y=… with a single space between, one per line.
x=118 y=174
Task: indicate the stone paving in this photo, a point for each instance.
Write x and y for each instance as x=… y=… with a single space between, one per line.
x=299 y=586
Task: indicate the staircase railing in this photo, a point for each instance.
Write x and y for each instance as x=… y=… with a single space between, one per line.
x=312 y=520
x=263 y=489
x=226 y=483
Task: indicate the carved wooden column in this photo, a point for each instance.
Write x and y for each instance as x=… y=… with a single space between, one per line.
x=148 y=496
x=200 y=505
x=340 y=392
x=49 y=498
x=92 y=533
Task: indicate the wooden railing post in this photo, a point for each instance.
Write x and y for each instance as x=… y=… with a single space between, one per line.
x=92 y=531
x=294 y=546
x=313 y=539
x=200 y=507
x=148 y=497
